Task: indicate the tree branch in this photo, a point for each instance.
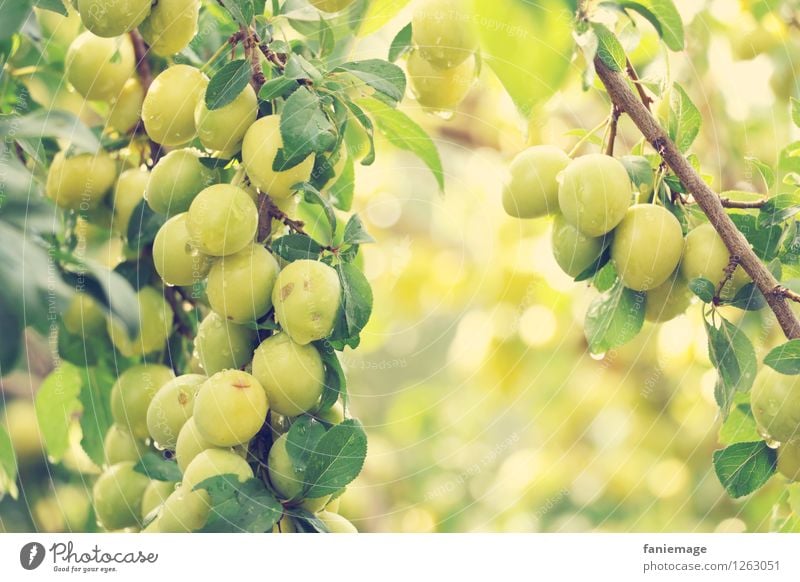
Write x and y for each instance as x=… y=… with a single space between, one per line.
x=142 y=64
x=749 y=205
x=624 y=98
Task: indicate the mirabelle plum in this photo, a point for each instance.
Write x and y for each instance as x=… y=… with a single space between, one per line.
x=132 y=393
x=155 y=495
x=171 y=26
x=168 y=108
x=176 y=260
x=221 y=344
x=213 y=462
x=127 y=195
x=222 y=220
x=775 y=400
x=595 y=193
x=668 y=300
x=240 y=285
x=57 y=28
x=789 y=460
x=285 y=478
x=155 y=325
x=109 y=19
x=306 y=297
x=230 y=408
x=333 y=415
x=443 y=31
x=291 y=374
x=67 y=510
x=532 y=190
x=336 y=523
x=183 y=511
x=118 y=496
x=126 y=109
x=223 y=129
x=98 y=67
x=574 y=252
x=705 y=255
x=84 y=316
x=330 y=5
x=171 y=407
x=176 y=180
x=440 y=89
x=80 y=182
x=120 y=446
x=190 y=444
x=259 y=148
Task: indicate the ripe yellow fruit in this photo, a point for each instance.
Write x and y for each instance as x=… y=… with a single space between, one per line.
x=80 y=182
x=291 y=374
x=223 y=129
x=336 y=523
x=127 y=196
x=190 y=444
x=132 y=393
x=221 y=344
x=84 y=316
x=98 y=67
x=306 y=297
x=168 y=108
x=176 y=260
x=155 y=325
x=109 y=19
x=171 y=407
x=647 y=246
x=436 y=88
x=574 y=252
x=595 y=193
x=126 y=109
x=330 y=5
x=240 y=285
x=171 y=26
x=775 y=400
x=213 y=462
x=118 y=496
x=532 y=189
x=176 y=180
x=668 y=300
x=789 y=460
x=259 y=148
x=230 y=408
x=120 y=446
x=155 y=495
x=443 y=31
x=222 y=220
x=705 y=255
x=285 y=479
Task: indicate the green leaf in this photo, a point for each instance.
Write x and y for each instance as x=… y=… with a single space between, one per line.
x=57 y=406
x=305 y=129
x=242 y=11
x=12 y=16
x=228 y=83
x=337 y=459
x=52 y=6
x=404 y=133
x=683 y=124
x=732 y=354
x=766 y=171
x=298 y=68
x=785 y=358
x=703 y=288
x=749 y=298
x=401 y=43
x=239 y=507
x=614 y=318
x=601 y=270
x=158 y=468
x=664 y=17
x=609 y=48
x=51 y=123
x=795 y=111
x=277 y=87
x=740 y=426
x=355 y=233
x=528 y=45
x=764 y=240
x=742 y=468
x=143 y=226
x=366 y=123
x=327 y=40
x=335 y=379
x=379 y=13
x=779 y=208
x=301 y=441
x=8 y=465
x=294 y=247
x=343 y=189
x=95 y=397
x=313 y=196
x=384 y=77
x=356 y=305
x=640 y=172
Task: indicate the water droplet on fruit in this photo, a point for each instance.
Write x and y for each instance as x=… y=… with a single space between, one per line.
x=598 y=357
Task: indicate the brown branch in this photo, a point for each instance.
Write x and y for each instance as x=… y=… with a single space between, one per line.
x=646 y=100
x=622 y=96
x=787 y=293
x=175 y=299
x=142 y=64
x=728 y=275
x=612 y=136
x=750 y=205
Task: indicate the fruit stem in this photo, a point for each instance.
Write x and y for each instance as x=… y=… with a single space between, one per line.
x=619 y=90
x=589 y=134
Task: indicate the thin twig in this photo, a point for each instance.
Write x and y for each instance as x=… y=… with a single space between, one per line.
x=612 y=136
x=727 y=276
x=787 y=293
x=142 y=64
x=749 y=205
x=646 y=100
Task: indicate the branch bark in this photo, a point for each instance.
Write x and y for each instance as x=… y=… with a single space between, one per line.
x=625 y=99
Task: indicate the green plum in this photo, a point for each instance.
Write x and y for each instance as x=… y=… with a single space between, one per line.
x=230 y=408
x=190 y=444
x=532 y=190
x=132 y=393
x=222 y=220
x=221 y=344
x=80 y=182
x=84 y=316
x=128 y=193
x=176 y=260
x=176 y=180
x=668 y=300
x=213 y=462
x=120 y=446
x=171 y=26
x=285 y=478
x=171 y=407
x=240 y=285
x=183 y=511
x=109 y=19
x=336 y=523
x=330 y=6
x=155 y=495
x=126 y=110
x=168 y=108
x=118 y=496
x=223 y=129
x=444 y=32
x=98 y=67
x=440 y=89
x=775 y=400
x=155 y=325
x=789 y=460
x=705 y=255
x=574 y=252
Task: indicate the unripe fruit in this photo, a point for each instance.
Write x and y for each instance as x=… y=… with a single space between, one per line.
x=120 y=446
x=127 y=196
x=285 y=525
x=171 y=26
x=22 y=426
x=176 y=260
x=80 y=182
x=84 y=316
x=291 y=374
x=94 y=68
x=668 y=300
x=775 y=400
x=223 y=129
x=647 y=246
x=57 y=28
x=574 y=252
x=67 y=510
x=443 y=31
x=155 y=325
x=240 y=285
x=168 y=108
x=333 y=506
x=306 y=299
x=118 y=496
x=595 y=193
x=230 y=408
x=176 y=180
x=440 y=89
x=336 y=523
x=259 y=148
x=222 y=220
x=183 y=511
x=190 y=444
x=213 y=462
x=285 y=479
x=330 y=5
x=705 y=255
x=126 y=109
x=110 y=19
x=789 y=460
x=532 y=190
x=156 y=494
x=315 y=505
x=132 y=393
x=333 y=415
x=171 y=407
x=221 y=344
